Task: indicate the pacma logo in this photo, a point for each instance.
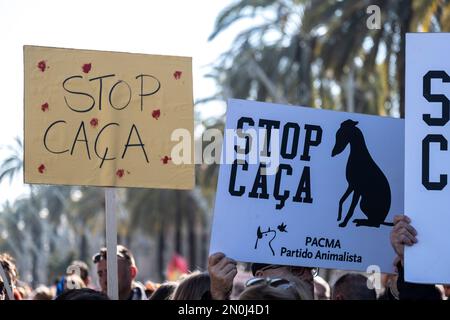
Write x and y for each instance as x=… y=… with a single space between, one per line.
x=322 y=242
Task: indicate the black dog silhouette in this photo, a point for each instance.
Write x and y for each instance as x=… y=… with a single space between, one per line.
x=365 y=179
x=260 y=235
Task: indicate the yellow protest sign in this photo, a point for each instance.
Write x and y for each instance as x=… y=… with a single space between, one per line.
x=106 y=118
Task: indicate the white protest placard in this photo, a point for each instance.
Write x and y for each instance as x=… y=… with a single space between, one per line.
x=291 y=216
x=427 y=160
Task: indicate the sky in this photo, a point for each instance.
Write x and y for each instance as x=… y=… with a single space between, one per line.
x=163 y=27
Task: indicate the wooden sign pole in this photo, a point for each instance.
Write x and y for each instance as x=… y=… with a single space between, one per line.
x=111 y=243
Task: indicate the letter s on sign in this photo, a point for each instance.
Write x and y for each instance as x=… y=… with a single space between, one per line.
x=431 y=97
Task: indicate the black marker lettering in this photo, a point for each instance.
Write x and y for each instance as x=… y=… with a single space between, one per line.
x=111 y=92
x=81 y=129
x=78 y=93
x=45 y=138
x=140 y=144
x=103 y=158
x=142 y=94
x=101 y=88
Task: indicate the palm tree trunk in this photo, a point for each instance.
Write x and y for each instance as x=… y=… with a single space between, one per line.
x=305 y=47
x=178 y=223
x=204 y=242
x=254 y=68
x=350 y=90
x=35 y=271
x=128 y=239
x=161 y=248
x=84 y=246
x=192 y=239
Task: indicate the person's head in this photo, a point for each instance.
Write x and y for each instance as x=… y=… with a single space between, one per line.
x=164 y=291
x=271 y=289
x=353 y=286
x=195 y=286
x=126 y=270
x=23 y=289
x=304 y=274
x=83 y=270
x=73 y=281
x=82 y=294
x=447 y=290
x=322 y=289
x=42 y=293
x=9 y=267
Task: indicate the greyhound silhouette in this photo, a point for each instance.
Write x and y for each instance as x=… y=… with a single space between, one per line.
x=260 y=235
x=365 y=179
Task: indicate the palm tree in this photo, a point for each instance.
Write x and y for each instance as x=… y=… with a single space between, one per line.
x=308 y=52
x=85 y=211
x=11 y=240
x=206 y=174
x=268 y=62
x=13 y=164
x=24 y=236
x=158 y=213
x=347 y=44
x=40 y=215
x=19 y=213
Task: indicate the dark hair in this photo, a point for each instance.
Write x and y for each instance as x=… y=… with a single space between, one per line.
x=82 y=294
x=164 y=291
x=122 y=252
x=83 y=267
x=353 y=286
x=257 y=266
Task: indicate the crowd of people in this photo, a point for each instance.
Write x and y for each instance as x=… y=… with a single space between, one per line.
x=220 y=281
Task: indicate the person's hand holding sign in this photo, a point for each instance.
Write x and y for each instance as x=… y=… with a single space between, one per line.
x=222 y=271
x=402 y=234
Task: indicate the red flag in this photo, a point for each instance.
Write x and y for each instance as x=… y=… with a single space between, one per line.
x=176 y=267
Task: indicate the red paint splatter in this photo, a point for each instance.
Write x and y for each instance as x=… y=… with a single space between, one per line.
x=177 y=75
x=87 y=67
x=44 y=107
x=166 y=159
x=42 y=65
x=120 y=173
x=94 y=122
x=41 y=168
x=156 y=114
